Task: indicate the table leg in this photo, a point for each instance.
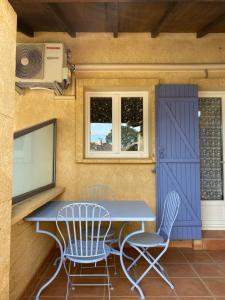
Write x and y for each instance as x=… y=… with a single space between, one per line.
x=120 y=242
x=38 y=230
x=122 y=260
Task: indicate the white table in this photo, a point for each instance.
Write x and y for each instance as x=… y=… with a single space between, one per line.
x=120 y=211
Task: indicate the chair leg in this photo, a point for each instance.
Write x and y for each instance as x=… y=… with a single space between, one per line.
x=133 y=263
x=69 y=283
x=128 y=275
x=56 y=261
x=114 y=261
x=152 y=265
x=108 y=278
x=137 y=259
x=157 y=263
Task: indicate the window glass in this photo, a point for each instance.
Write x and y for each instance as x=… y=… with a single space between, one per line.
x=117 y=124
x=33 y=161
x=100 y=124
x=132 y=124
x=211 y=148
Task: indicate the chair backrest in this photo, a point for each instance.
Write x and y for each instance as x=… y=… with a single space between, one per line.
x=79 y=225
x=170 y=211
x=94 y=193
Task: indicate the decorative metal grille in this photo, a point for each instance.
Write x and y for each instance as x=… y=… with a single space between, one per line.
x=211 y=148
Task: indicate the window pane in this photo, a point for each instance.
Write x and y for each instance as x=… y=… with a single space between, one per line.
x=211 y=149
x=101 y=124
x=132 y=124
x=33 y=160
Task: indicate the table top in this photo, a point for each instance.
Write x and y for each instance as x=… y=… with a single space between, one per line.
x=118 y=210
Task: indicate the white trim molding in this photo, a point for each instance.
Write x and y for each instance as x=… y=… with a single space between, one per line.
x=149 y=67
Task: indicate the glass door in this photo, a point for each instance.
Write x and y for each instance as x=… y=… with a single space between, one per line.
x=211 y=134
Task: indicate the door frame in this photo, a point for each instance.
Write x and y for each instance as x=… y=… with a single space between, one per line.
x=217 y=208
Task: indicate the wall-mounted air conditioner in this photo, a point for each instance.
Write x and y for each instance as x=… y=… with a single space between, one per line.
x=42 y=66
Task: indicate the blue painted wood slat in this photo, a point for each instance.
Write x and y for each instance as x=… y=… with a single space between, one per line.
x=177 y=154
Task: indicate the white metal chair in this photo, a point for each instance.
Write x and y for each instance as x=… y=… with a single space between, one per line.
x=95 y=193
x=142 y=241
x=78 y=218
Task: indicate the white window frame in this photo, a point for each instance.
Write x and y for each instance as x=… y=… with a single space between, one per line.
x=213 y=212
x=116 y=125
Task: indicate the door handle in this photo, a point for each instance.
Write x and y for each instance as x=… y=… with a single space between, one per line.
x=161 y=152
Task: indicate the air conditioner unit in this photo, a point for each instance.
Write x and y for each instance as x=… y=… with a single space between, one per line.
x=42 y=66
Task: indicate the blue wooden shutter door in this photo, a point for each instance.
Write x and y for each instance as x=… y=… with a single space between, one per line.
x=177 y=154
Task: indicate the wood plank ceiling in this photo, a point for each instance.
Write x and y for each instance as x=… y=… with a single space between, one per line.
x=153 y=16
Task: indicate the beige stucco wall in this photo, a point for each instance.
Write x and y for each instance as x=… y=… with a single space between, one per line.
x=129 y=180
x=7 y=100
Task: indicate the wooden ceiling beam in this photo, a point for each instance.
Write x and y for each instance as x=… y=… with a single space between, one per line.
x=111 y=1
x=112 y=18
x=209 y=27
x=54 y=7
x=24 y=28
x=115 y=19
x=165 y=20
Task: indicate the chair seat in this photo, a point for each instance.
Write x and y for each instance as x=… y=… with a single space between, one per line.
x=85 y=256
x=146 y=239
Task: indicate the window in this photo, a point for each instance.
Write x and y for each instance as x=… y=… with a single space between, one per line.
x=211 y=148
x=34 y=160
x=212 y=151
x=117 y=124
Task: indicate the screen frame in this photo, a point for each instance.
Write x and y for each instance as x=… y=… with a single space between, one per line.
x=20 y=133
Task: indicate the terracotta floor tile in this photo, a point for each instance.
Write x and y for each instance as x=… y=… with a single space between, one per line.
x=221 y=267
x=162 y=298
x=180 y=266
x=190 y=287
x=172 y=270
x=179 y=270
x=198 y=257
x=63 y=298
x=196 y=298
x=122 y=288
x=58 y=288
x=124 y=298
x=150 y=287
x=218 y=256
x=173 y=256
x=209 y=270
x=140 y=268
x=49 y=270
x=216 y=285
x=186 y=250
x=156 y=287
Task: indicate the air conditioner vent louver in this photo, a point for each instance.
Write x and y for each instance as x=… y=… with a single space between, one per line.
x=29 y=61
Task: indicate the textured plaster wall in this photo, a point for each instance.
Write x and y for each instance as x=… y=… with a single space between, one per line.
x=7 y=99
x=129 y=180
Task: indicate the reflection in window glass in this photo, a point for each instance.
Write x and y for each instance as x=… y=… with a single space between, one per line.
x=132 y=124
x=101 y=124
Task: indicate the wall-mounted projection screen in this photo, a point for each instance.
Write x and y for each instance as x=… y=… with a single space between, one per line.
x=34 y=156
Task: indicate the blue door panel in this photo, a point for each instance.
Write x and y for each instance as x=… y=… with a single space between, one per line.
x=177 y=153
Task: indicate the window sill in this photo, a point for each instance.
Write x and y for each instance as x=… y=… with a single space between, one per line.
x=22 y=209
x=116 y=161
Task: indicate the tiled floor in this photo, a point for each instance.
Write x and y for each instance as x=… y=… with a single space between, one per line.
x=196 y=275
